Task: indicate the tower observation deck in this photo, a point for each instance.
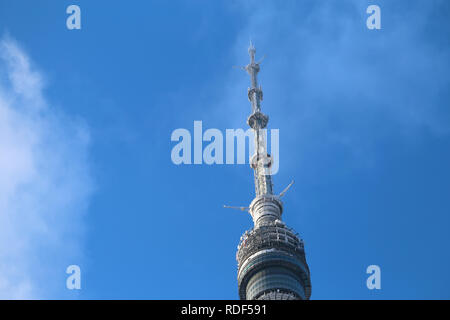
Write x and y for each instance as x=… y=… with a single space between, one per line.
x=271 y=258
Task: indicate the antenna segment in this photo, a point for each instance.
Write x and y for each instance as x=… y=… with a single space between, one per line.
x=261 y=161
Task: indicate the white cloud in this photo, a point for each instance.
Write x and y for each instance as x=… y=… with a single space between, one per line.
x=44 y=183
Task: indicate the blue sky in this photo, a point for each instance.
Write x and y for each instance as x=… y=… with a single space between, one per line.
x=86 y=117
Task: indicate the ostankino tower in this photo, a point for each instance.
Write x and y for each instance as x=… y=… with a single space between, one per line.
x=271 y=258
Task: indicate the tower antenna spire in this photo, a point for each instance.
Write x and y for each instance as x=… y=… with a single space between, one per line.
x=261 y=161
x=271 y=258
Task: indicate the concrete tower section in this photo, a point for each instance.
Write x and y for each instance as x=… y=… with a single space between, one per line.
x=271 y=258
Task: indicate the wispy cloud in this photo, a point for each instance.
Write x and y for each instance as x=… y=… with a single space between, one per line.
x=45 y=182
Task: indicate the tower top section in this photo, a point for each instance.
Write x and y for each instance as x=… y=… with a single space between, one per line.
x=261 y=161
x=253 y=68
x=271 y=257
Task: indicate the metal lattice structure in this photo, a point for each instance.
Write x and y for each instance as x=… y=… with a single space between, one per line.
x=271 y=257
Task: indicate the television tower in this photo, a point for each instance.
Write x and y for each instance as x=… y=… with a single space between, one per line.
x=271 y=258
